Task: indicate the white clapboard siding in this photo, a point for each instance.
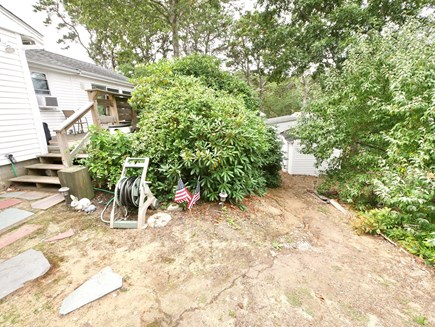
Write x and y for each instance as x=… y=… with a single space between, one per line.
x=70 y=91
x=21 y=131
x=299 y=163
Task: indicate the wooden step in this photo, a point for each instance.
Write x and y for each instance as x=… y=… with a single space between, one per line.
x=43 y=166
x=35 y=179
x=58 y=157
x=53 y=149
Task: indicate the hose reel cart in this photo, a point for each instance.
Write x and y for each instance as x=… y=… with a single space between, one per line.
x=132 y=192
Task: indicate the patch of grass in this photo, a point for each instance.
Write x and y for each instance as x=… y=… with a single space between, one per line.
x=294 y=299
x=420 y=320
x=232 y=223
x=309 y=312
x=202 y=298
x=276 y=245
x=232 y=314
x=354 y=314
x=11 y=317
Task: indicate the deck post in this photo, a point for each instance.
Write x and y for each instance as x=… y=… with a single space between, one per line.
x=64 y=148
x=92 y=95
x=113 y=107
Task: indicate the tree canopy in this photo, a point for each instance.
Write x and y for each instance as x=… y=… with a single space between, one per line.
x=379 y=111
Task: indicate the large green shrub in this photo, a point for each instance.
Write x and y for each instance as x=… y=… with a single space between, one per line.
x=193 y=127
x=191 y=130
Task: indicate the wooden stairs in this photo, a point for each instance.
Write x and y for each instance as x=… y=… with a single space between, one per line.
x=44 y=174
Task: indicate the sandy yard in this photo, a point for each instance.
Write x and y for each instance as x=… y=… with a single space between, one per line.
x=288 y=260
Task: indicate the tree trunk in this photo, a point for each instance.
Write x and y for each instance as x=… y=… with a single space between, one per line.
x=175 y=26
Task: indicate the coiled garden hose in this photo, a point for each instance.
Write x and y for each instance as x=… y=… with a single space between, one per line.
x=127 y=194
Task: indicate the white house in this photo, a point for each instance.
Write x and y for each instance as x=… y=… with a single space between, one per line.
x=35 y=86
x=294 y=162
x=61 y=82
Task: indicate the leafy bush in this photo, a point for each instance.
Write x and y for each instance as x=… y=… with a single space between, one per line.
x=193 y=127
x=379 y=111
x=191 y=130
x=107 y=153
x=207 y=70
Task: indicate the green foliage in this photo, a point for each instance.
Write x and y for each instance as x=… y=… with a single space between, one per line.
x=206 y=69
x=271 y=166
x=280 y=99
x=194 y=127
x=319 y=31
x=107 y=153
x=139 y=31
x=379 y=111
x=190 y=130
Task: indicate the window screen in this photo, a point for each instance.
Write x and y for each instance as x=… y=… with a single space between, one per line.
x=40 y=83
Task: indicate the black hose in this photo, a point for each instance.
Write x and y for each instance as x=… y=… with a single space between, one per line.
x=127 y=192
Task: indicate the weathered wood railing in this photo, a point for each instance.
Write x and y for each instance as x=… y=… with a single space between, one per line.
x=61 y=132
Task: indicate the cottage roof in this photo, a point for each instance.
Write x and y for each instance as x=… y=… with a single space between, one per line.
x=46 y=58
x=11 y=22
x=284 y=119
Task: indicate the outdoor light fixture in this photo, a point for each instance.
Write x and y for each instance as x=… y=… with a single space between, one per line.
x=65 y=192
x=9 y=49
x=223 y=196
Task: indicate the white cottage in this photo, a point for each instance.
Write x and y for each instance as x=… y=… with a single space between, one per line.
x=35 y=86
x=60 y=83
x=295 y=162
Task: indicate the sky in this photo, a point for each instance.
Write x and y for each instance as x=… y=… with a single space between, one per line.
x=24 y=10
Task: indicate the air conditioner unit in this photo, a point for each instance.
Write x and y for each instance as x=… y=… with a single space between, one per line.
x=47 y=101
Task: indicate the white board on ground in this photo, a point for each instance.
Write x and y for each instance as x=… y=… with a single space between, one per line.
x=100 y=284
x=20 y=269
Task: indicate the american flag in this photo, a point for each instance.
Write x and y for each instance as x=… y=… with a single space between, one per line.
x=182 y=194
x=195 y=197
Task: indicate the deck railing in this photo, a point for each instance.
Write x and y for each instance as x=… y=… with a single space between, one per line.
x=61 y=132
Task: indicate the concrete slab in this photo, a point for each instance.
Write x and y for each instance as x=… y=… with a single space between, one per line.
x=8 y=203
x=102 y=283
x=61 y=236
x=21 y=232
x=20 y=269
x=30 y=196
x=11 y=194
x=48 y=202
x=12 y=216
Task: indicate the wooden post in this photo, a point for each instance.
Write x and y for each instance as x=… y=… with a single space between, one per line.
x=113 y=108
x=78 y=180
x=92 y=95
x=64 y=148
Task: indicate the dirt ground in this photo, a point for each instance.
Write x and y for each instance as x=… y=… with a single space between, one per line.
x=288 y=260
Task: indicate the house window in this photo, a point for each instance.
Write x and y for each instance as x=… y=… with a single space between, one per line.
x=40 y=83
x=98 y=87
x=112 y=90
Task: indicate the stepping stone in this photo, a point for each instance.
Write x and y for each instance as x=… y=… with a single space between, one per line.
x=48 y=202
x=16 y=235
x=30 y=196
x=97 y=286
x=11 y=194
x=20 y=269
x=8 y=203
x=61 y=236
x=11 y=217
